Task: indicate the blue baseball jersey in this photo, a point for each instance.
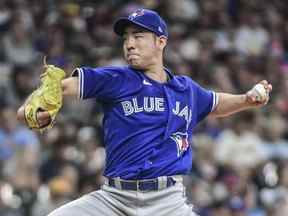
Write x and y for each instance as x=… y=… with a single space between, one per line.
x=147 y=125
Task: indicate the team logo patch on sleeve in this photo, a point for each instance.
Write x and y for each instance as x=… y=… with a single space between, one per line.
x=181 y=140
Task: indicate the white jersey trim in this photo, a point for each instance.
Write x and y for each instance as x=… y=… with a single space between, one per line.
x=215 y=101
x=80 y=74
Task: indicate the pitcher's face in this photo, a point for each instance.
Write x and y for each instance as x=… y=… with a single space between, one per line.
x=141 y=47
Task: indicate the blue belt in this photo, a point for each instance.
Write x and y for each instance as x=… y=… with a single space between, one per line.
x=141 y=185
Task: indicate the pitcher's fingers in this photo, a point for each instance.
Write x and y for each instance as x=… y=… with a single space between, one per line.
x=264 y=82
x=42 y=115
x=269 y=87
x=43 y=118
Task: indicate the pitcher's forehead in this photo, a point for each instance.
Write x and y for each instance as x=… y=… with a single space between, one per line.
x=132 y=28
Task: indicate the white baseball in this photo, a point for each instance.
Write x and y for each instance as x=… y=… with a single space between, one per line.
x=260 y=92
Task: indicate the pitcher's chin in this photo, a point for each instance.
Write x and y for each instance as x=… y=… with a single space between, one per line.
x=135 y=65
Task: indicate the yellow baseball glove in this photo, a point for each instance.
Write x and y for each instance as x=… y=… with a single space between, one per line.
x=48 y=97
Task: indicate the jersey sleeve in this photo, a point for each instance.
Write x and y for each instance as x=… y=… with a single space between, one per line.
x=206 y=101
x=104 y=83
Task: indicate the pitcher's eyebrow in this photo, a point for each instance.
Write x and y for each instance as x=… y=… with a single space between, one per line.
x=135 y=31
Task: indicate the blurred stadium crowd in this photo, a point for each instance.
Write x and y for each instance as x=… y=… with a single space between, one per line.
x=240 y=163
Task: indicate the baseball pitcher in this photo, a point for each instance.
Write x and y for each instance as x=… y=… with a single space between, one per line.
x=149 y=115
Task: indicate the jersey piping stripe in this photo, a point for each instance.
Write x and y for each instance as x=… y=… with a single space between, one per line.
x=77 y=72
x=215 y=101
x=81 y=87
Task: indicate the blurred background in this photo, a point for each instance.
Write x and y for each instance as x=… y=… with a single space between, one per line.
x=240 y=163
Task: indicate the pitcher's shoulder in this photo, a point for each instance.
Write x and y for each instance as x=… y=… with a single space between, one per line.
x=124 y=70
x=184 y=81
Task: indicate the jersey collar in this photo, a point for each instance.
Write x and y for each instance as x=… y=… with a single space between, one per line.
x=176 y=82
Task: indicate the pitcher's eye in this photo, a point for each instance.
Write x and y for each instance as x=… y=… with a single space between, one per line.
x=138 y=35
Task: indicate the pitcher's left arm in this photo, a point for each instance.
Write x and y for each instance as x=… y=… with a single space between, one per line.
x=229 y=104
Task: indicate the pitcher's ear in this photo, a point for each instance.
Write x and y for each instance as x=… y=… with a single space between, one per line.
x=163 y=41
